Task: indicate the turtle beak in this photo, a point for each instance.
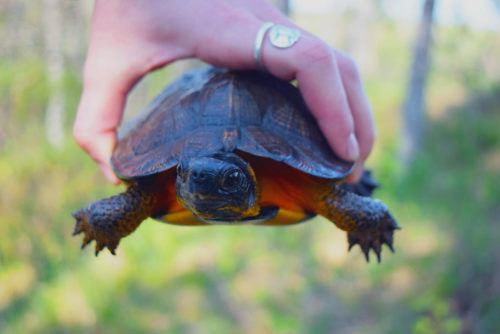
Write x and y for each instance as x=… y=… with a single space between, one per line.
x=197 y=177
x=195 y=185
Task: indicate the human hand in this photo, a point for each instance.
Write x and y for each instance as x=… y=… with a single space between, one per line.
x=130 y=38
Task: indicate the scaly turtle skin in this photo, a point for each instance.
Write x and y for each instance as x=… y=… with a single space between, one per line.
x=226 y=147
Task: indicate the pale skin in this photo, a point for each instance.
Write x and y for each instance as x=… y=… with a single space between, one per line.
x=130 y=38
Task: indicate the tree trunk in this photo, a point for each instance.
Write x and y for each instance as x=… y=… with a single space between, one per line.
x=414 y=117
x=53 y=27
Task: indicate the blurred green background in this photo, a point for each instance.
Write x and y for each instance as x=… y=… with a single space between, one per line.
x=443 y=278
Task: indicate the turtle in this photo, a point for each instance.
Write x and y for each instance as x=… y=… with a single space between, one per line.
x=220 y=146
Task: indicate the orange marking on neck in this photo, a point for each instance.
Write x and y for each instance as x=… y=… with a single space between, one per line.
x=285 y=186
x=163 y=186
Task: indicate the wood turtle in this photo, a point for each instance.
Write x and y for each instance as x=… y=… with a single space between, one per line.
x=232 y=147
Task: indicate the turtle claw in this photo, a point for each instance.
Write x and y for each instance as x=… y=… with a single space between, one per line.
x=98 y=247
x=111 y=246
x=374 y=237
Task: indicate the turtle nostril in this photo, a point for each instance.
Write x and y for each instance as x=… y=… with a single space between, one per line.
x=199 y=175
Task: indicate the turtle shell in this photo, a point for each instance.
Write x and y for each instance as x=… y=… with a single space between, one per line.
x=215 y=109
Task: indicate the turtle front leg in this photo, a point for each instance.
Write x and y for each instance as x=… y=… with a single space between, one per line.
x=110 y=219
x=367 y=221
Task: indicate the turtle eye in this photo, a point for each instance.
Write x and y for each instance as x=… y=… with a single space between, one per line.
x=233 y=180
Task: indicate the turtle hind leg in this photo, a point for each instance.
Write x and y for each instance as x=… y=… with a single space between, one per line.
x=110 y=219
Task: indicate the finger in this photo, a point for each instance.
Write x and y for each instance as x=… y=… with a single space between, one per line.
x=106 y=84
x=314 y=65
x=99 y=113
x=103 y=97
x=360 y=109
x=310 y=61
x=120 y=54
x=264 y=11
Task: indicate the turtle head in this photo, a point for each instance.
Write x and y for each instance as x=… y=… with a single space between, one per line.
x=218 y=187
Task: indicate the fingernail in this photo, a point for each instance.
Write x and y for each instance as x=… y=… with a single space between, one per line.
x=352 y=153
x=109 y=174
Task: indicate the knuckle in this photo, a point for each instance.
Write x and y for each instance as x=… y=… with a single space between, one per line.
x=118 y=72
x=230 y=14
x=82 y=137
x=318 y=53
x=91 y=72
x=348 y=68
x=92 y=81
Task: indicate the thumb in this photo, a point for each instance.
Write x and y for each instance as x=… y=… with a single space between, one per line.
x=99 y=114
